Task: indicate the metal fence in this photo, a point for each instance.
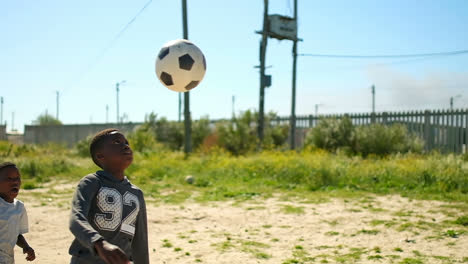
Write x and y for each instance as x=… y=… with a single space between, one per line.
x=443 y=130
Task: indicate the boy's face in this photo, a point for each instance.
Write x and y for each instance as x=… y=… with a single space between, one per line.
x=115 y=153
x=10 y=182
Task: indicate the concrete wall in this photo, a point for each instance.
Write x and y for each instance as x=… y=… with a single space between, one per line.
x=17 y=139
x=69 y=134
x=3 y=135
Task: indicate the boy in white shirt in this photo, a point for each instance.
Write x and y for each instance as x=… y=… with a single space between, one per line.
x=13 y=217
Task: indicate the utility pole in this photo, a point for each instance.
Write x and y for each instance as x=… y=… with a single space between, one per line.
x=233 y=103
x=317 y=109
x=57 y=99
x=1 y=111
x=293 y=97
x=180 y=106
x=263 y=45
x=117 y=88
x=107 y=113
x=453 y=99
x=373 y=98
x=187 y=120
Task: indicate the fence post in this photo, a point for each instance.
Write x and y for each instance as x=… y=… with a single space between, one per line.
x=384 y=118
x=310 y=121
x=427 y=129
x=466 y=131
x=372 y=118
x=451 y=132
x=458 y=125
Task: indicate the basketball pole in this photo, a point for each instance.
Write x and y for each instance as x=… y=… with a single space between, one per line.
x=187 y=120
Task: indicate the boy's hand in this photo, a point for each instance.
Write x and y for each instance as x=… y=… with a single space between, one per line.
x=110 y=253
x=30 y=253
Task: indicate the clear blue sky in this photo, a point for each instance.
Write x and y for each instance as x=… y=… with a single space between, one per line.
x=54 y=45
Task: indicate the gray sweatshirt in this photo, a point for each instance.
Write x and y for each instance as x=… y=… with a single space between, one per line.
x=105 y=208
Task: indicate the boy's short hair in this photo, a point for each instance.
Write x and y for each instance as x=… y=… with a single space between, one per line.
x=96 y=142
x=5 y=165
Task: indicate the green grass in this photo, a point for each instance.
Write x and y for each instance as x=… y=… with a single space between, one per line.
x=462 y=220
x=372 y=257
x=289 y=209
x=247 y=246
x=223 y=246
x=368 y=231
x=398 y=249
x=166 y=243
x=386 y=223
x=306 y=174
x=352 y=256
x=452 y=233
x=411 y=261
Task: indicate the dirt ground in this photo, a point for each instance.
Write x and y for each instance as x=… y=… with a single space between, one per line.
x=370 y=229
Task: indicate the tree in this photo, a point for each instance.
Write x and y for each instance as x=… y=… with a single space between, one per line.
x=46 y=120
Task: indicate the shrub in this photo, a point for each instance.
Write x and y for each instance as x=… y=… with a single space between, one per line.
x=332 y=134
x=239 y=135
x=383 y=140
x=82 y=147
x=168 y=133
x=46 y=120
x=200 y=130
x=142 y=140
x=376 y=139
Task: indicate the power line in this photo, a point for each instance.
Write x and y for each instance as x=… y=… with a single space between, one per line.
x=446 y=53
x=383 y=64
x=124 y=28
x=113 y=41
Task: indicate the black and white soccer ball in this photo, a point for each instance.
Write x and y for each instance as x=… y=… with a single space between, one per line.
x=180 y=65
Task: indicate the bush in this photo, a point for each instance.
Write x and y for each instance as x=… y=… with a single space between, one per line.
x=376 y=139
x=46 y=120
x=200 y=130
x=142 y=140
x=332 y=134
x=82 y=147
x=383 y=140
x=169 y=133
x=239 y=135
x=41 y=168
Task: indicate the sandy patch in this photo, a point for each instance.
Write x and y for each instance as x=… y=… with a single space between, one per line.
x=373 y=229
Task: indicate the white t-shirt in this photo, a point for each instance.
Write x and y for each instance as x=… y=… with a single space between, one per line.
x=13 y=222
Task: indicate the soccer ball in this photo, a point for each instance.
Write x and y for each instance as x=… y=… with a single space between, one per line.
x=189 y=179
x=180 y=65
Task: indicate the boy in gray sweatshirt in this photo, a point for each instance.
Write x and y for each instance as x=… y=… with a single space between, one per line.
x=108 y=216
